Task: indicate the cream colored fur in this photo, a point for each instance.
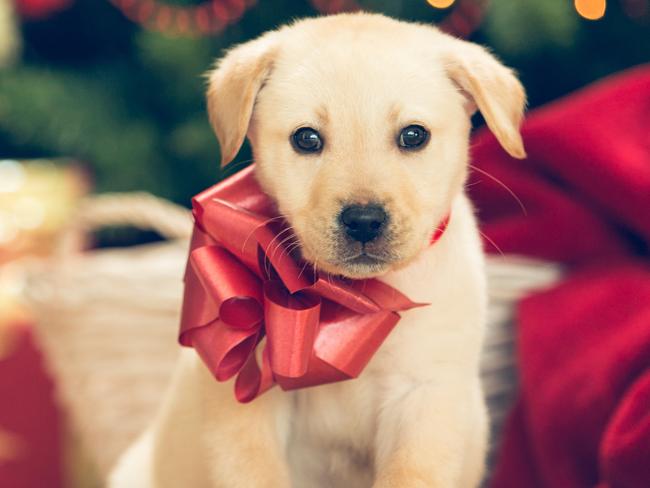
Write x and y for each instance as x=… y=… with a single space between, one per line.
x=416 y=415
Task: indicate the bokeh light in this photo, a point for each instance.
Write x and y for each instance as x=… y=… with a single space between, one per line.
x=12 y=176
x=8 y=231
x=591 y=9
x=440 y=3
x=29 y=213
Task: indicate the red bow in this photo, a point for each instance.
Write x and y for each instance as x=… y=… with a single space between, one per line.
x=242 y=284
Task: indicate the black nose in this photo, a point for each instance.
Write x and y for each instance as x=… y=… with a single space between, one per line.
x=363 y=223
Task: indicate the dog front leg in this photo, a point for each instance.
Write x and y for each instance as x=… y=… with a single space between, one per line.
x=432 y=436
x=245 y=443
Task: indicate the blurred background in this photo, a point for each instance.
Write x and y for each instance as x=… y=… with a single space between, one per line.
x=108 y=96
x=118 y=85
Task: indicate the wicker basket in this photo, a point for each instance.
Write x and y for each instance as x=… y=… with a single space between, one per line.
x=108 y=319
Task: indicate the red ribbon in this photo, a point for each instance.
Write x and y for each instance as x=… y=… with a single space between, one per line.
x=242 y=284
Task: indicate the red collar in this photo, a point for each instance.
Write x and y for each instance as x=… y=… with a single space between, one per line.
x=440 y=230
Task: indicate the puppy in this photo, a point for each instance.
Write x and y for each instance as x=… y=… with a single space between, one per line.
x=359 y=125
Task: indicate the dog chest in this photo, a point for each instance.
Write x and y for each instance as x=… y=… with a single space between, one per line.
x=332 y=431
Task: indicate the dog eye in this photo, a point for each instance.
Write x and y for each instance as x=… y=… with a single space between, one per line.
x=413 y=137
x=307 y=140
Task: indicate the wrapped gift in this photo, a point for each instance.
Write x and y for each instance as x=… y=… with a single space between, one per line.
x=36 y=198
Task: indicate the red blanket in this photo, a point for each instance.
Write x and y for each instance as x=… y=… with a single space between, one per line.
x=582 y=418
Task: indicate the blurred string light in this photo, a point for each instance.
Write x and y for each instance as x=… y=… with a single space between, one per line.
x=591 y=9
x=208 y=17
x=440 y=3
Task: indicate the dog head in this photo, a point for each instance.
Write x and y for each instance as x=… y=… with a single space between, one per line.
x=359 y=125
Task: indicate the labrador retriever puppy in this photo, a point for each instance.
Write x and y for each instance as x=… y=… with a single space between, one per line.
x=362 y=112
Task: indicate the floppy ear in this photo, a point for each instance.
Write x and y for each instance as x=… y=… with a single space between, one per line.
x=232 y=88
x=491 y=87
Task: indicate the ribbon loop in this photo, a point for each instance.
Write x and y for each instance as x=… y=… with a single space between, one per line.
x=291 y=328
x=224 y=350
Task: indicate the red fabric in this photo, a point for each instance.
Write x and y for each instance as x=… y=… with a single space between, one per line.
x=582 y=418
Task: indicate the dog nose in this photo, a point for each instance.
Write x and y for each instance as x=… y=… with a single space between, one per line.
x=363 y=223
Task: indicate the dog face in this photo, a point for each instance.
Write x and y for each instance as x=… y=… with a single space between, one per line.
x=359 y=126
